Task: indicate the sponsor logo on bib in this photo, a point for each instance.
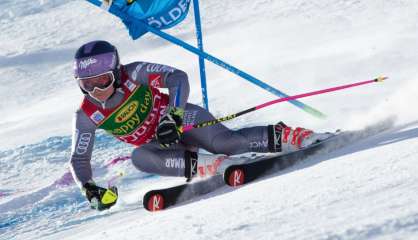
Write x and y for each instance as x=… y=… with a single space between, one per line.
x=126 y=112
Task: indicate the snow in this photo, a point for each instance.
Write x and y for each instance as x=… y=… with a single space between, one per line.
x=364 y=191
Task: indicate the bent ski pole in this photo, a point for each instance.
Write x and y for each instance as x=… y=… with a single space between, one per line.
x=232 y=116
x=234 y=70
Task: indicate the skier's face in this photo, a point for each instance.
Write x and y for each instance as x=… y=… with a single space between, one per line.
x=102 y=94
x=99 y=87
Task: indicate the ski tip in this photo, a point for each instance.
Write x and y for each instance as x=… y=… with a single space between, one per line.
x=381 y=79
x=154 y=202
x=234 y=177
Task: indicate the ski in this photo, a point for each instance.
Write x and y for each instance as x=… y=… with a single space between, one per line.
x=160 y=199
x=239 y=174
x=246 y=172
x=156 y=200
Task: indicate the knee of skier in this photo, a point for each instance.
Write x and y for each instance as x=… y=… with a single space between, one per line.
x=226 y=144
x=139 y=159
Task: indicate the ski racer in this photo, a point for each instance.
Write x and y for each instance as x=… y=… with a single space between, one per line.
x=125 y=101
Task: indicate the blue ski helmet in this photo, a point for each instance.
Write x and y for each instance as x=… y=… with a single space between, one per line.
x=95 y=58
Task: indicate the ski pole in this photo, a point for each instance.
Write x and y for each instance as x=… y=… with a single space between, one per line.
x=111 y=182
x=232 y=116
x=116 y=160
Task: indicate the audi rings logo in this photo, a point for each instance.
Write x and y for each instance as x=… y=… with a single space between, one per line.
x=83 y=143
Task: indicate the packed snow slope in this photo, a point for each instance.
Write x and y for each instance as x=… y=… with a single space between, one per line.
x=367 y=190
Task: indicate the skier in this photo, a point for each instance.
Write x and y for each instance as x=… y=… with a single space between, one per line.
x=124 y=100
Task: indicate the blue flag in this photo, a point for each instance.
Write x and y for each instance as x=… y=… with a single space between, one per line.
x=160 y=14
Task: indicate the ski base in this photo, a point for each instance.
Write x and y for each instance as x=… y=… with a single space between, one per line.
x=156 y=200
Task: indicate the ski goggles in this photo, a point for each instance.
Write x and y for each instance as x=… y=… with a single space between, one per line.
x=101 y=81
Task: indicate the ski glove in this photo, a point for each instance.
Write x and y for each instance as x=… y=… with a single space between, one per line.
x=169 y=128
x=100 y=198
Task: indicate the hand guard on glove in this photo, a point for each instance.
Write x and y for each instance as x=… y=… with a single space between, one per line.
x=169 y=128
x=100 y=198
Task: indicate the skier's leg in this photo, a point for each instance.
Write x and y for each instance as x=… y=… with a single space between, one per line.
x=219 y=139
x=179 y=160
x=173 y=161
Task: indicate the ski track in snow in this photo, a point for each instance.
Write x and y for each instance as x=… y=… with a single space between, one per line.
x=367 y=190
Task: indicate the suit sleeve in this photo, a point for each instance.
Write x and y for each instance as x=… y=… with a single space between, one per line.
x=82 y=148
x=162 y=76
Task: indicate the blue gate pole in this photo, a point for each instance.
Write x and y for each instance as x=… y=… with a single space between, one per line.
x=216 y=61
x=233 y=69
x=201 y=59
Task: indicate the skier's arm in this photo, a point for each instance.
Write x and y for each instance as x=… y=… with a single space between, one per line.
x=162 y=76
x=82 y=148
x=83 y=140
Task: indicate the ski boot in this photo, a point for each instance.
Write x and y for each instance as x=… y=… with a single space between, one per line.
x=284 y=139
x=205 y=165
